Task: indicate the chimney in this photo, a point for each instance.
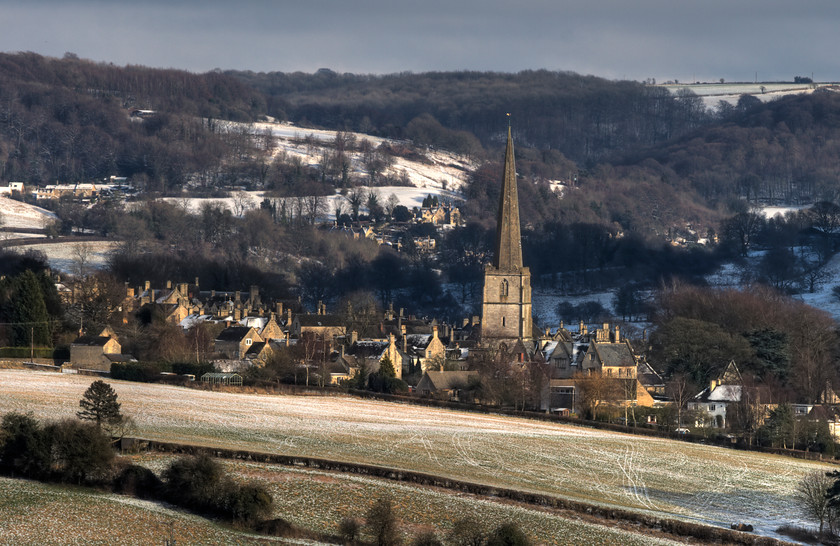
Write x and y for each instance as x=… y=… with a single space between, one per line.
x=434 y=332
x=341 y=350
x=617 y=334
x=466 y=323
x=402 y=311
x=151 y=295
x=288 y=317
x=237 y=296
x=320 y=308
x=255 y=294
x=212 y=293
x=147 y=285
x=196 y=282
x=279 y=308
x=712 y=385
x=169 y=285
x=354 y=337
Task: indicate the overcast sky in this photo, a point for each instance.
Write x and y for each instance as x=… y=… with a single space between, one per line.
x=686 y=40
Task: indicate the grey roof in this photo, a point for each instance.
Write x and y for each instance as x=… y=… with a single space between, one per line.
x=234 y=333
x=435 y=381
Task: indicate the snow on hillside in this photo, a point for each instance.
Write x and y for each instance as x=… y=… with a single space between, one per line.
x=713 y=93
x=438 y=170
x=15 y=214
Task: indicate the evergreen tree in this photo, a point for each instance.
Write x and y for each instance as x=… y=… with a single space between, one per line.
x=386 y=367
x=28 y=312
x=99 y=404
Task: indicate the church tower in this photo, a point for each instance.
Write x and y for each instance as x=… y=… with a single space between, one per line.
x=506 y=304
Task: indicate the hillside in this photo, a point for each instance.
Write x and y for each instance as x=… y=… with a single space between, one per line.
x=646 y=474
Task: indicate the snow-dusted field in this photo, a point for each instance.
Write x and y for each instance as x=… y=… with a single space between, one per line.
x=36 y=513
x=696 y=482
x=712 y=93
x=62 y=256
x=22 y=215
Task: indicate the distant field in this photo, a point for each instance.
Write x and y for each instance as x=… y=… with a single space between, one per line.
x=696 y=482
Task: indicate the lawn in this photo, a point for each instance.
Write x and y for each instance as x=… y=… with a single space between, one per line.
x=695 y=482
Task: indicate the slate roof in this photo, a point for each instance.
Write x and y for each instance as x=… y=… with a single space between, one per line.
x=436 y=381
x=615 y=354
x=234 y=333
x=92 y=341
x=320 y=320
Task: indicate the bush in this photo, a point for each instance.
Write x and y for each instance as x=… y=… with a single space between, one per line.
x=428 y=538
x=508 y=534
x=25 y=447
x=144 y=372
x=381 y=523
x=82 y=452
x=348 y=530
x=467 y=532
x=138 y=481
x=192 y=368
x=248 y=503
x=199 y=483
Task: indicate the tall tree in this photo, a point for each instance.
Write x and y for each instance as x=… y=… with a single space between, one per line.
x=99 y=404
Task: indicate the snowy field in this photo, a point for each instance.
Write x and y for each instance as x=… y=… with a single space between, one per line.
x=62 y=256
x=713 y=93
x=695 y=482
x=22 y=215
x=36 y=513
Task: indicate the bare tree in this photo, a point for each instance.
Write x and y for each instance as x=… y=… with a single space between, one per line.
x=680 y=389
x=811 y=493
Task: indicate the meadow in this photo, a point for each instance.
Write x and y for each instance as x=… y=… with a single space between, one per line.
x=665 y=477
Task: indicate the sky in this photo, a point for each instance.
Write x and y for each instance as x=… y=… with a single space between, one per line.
x=683 y=40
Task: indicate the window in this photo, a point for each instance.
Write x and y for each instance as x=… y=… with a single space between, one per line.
x=711 y=407
x=248 y=341
x=503 y=322
x=504 y=288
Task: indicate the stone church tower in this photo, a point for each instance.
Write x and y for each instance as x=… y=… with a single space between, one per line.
x=506 y=304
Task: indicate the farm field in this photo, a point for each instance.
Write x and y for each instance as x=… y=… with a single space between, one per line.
x=319 y=500
x=694 y=482
x=36 y=513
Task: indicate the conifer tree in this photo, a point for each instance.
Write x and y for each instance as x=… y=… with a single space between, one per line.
x=29 y=317
x=99 y=404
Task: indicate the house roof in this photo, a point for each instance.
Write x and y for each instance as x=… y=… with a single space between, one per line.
x=615 y=354
x=234 y=333
x=721 y=393
x=446 y=380
x=320 y=320
x=92 y=341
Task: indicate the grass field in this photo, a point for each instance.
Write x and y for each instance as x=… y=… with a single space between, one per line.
x=319 y=500
x=696 y=482
x=35 y=513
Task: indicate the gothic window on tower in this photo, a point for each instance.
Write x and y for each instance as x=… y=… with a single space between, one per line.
x=504 y=288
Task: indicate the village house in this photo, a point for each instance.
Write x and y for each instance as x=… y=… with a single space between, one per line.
x=96 y=352
x=713 y=401
x=446 y=385
x=235 y=342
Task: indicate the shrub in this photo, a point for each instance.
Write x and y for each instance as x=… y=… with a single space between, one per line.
x=82 y=452
x=428 y=538
x=194 y=482
x=144 y=372
x=138 y=481
x=382 y=524
x=508 y=534
x=467 y=532
x=348 y=530
x=25 y=448
x=248 y=503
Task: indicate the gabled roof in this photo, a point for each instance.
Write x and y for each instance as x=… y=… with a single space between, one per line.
x=614 y=354
x=92 y=341
x=234 y=333
x=435 y=381
x=721 y=393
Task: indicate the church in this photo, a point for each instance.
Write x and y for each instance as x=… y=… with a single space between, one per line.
x=506 y=302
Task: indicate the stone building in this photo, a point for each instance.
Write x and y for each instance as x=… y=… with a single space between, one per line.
x=506 y=303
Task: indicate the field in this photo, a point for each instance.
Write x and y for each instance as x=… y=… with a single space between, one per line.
x=35 y=513
x=693 y=482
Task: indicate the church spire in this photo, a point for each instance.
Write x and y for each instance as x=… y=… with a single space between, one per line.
x=508 y=240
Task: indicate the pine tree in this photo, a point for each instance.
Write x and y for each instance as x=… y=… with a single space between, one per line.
x=99 y=404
